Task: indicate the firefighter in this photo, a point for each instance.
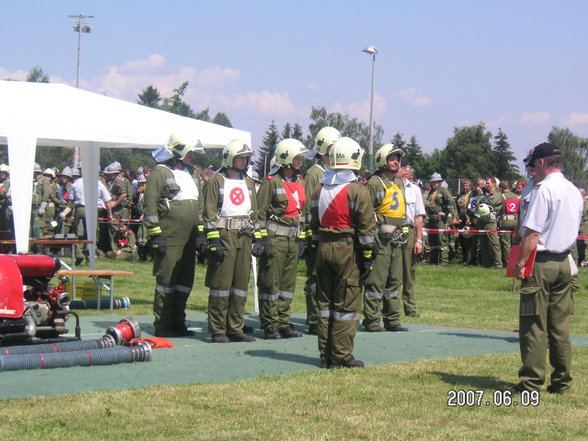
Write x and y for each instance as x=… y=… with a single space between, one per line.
x=47 y=189
x=172 y=210
x=5 y=202
x=124 y=244
x=382 y=294
x=230 y=221
x=343 y=225
x=322 y=142
x=65 y=207
x=440 y=208
x=279 y=202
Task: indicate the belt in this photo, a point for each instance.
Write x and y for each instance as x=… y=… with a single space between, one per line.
x=283 y=230
x=508 y=217
x=335 y=238
x=233 y=224
x=552 y=254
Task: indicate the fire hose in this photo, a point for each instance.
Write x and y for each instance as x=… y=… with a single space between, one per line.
x=70 y=346
x=117 y=303
x=93 y=357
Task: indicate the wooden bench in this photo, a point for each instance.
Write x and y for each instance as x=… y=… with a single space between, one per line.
x=97 y=276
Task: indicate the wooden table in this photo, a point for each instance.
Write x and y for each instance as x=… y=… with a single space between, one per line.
x=97 y=275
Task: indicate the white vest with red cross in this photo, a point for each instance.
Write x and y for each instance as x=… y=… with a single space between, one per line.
x=236 y=201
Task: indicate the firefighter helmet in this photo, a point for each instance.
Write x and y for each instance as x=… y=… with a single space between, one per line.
x=181 y=143
x=233 y=149
x=4 y=168
x=66 y=172
x=436 y=177
x=325 y=139
x=288 y=149
x=346 y=154
x=50 y=172
x=383 y=153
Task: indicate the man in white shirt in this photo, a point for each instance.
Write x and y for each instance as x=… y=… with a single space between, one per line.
x=549 y=224
x=415 y=213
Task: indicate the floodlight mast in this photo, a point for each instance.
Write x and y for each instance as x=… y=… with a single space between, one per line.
x=80 y=27
x=371 y=50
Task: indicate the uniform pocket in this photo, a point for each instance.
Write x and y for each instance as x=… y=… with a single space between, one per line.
x=352 y=300
x=529 y=304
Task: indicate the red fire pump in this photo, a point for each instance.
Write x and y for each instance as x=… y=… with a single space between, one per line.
x=29 y=305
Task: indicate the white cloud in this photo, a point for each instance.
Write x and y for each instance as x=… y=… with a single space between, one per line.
x=535 y=118
x=313 y=86
x=575 y=119
x=266 y=103
x=19 y=75
x=413 y=98
x=361 y=109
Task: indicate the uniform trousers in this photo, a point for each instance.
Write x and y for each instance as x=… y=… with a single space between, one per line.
x=310 y=286
x=409 y=261
x=546 y=305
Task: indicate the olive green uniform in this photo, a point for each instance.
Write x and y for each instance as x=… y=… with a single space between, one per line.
x=338 y=268
x=227 y=277
x=47 y=190
x=507 y=221
x=119 y=186
x=439 y=200
x=382 y=290
x=5 y=206
x=312 y=180
x=490 y=255
x=66 y=223
x=465 y=240
x=126 y=243
x=176 y=221
x=139 y=228
x=581 y=243
x=276 y=279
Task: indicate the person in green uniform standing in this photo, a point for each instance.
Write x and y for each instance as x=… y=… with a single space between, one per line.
x=382 y=289
x=323 y=141
x=507 y=219
x=344 y=227
x=47 y=190
x=5 y=224
x=65 y=206
x=172 y=210
x=440 y=208
x=550 y=219
x=230 y=221
x=279 y=202
x=490 y=205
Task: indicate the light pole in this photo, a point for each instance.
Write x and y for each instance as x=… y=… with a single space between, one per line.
x=80 y=27
x=370 y=159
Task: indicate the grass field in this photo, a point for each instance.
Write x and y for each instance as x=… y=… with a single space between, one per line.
x=401 y=401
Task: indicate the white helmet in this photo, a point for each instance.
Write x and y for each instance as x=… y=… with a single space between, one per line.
x=436 y=177
x=383 y=153
x=141 y=179
x=324 y=139
x=346 y=154
x=286 y=150
x=37 y=168
x=66 y=172
x=181 y=143
x=75 y=172
x=483 y=210
x=50 y=172
x=4 y=168
x=233 y=149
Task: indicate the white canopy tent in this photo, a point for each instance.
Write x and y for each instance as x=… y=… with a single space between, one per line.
x=33 y=114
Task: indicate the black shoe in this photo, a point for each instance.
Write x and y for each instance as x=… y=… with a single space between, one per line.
x=351 y=363
x=413 y=314
x=272 y=333
x=220 y=338
x=248 y=330
x=374 y=328
x=396 y=328
x=241 y=338
x=183 y=331
x=289 y=332
x=79 y=260
x=556 y=391
x=166 y=332
x=516 y=389
x=324 y=364
x=313 y=329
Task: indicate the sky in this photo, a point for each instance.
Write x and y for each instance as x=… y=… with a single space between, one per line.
x=518 y=65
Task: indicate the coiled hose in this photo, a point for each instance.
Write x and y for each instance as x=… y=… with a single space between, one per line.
x=93 y=357
x=107 y=341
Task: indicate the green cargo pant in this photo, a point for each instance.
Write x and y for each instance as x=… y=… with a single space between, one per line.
x=338 y=299
x=310 y=286
x=381 y=298
x=546 y=305
x=490 y=255
x=228 y=280
x=276 y=281
x=438 y=243
x=408 y=273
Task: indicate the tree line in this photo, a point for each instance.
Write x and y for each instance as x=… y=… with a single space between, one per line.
x=471 y=152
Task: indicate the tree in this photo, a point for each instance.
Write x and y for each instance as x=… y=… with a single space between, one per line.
x=222 y=119
x=203 y=115
x=574 y=150
x=468 y=154
x=36 y=75
x=266 y=151
x=150 y=97
x=175 y=104
x=503 y=158
x=297 y=133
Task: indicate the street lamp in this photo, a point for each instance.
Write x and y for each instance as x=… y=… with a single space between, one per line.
x=370 y=159
x=80 y=27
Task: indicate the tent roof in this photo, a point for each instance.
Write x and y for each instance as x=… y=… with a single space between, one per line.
x=61 y=115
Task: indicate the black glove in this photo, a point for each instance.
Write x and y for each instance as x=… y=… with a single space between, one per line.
x=201 y=244
x=301 y=248
x=257 y=249
x=215 y=248
x=366 y=269
x=157 y=243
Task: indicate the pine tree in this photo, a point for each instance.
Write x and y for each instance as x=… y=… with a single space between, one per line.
x=503 y=158
x=266 y=151
x=150 y=97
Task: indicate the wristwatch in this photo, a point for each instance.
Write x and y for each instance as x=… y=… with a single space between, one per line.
x=518 y=265
x=419 y=240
